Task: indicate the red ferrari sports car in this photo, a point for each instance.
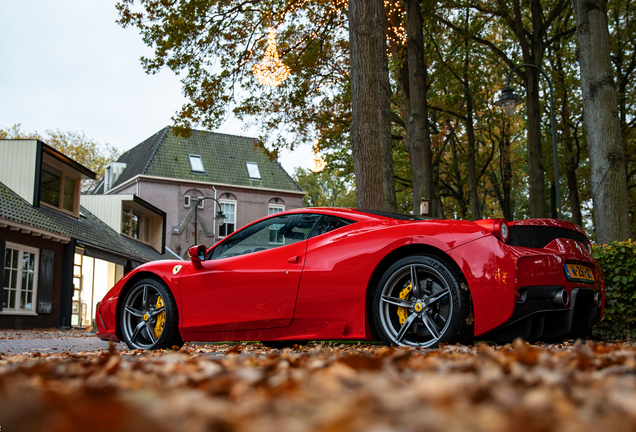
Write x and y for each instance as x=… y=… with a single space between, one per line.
x=325 y=273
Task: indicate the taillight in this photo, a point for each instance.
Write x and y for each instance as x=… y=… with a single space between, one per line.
x=504 y=231
x=499 y=227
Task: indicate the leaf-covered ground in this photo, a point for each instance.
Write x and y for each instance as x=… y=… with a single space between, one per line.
x=323 y=387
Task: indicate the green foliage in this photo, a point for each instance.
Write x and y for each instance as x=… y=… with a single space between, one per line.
x=618 y=260
x=326 y=188
x=469 y=49
x=214 y=44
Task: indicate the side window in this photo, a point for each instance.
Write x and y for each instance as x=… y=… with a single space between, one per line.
x=268 y=234
x=328 y=223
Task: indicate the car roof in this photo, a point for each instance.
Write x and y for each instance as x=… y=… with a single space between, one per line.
x=359 y=214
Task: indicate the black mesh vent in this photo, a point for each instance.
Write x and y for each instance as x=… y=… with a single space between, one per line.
x=539 y=236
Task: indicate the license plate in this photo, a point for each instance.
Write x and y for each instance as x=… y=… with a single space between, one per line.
x=579 y=273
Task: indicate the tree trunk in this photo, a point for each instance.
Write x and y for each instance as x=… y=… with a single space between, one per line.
x=475 y=207
x=573 y=194
x=600 y=117
x=370 y=106
x=459 y=191
x=419 y=134
x=536 y=176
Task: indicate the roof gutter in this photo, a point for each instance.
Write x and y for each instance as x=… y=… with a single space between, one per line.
x=35 y=232
x=173 y=180
x=106 y=252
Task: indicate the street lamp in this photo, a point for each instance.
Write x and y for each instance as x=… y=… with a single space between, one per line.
x=508 y=101
x=220 y=217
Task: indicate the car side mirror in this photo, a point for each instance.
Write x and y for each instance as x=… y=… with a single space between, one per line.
x=197 y=255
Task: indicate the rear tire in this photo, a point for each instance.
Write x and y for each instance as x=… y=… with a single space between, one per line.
x=436 y=310
x=149 y=316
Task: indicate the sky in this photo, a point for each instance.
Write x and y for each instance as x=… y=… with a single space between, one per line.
x=67 y=65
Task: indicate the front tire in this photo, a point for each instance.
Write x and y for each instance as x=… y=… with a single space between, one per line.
x=149 y=317
x=431 y=311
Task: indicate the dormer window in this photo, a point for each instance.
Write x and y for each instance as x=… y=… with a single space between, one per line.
x=112 y=173
x=196 y=163
x=58 y=189
x=140 y=223
x=108 y=181
x=252 y=169
x=131 y=222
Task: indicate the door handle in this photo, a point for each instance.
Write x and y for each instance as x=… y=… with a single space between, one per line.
x=293 y=259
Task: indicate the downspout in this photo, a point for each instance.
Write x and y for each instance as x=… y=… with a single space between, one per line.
x=137 y=183
x=214 y=220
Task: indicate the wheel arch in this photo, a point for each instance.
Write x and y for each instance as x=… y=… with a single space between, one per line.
x=394 y=256
x=128 y=286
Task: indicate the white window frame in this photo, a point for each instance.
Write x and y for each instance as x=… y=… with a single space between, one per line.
x=235 y=215
x=277 y=207
x=36 y=269
x=186 y=201
x=197 y=160
x=252 y=170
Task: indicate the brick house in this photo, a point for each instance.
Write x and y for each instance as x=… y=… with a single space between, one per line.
x=172 y=172
x=58 y=258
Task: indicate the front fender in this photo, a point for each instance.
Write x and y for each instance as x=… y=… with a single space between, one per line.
x=107 y=314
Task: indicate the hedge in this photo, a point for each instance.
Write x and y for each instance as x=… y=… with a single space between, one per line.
x=618 y=260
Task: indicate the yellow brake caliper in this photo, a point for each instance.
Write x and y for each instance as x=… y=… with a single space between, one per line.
x=161 y=318
x=402 y=312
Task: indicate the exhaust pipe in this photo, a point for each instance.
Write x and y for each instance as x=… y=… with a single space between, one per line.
x=521 y=295
x=561 y=298
x=598 y=299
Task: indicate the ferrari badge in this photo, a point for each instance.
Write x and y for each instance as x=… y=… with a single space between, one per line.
x=176 y=269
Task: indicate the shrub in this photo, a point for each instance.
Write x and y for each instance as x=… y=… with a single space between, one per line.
x=618 y=260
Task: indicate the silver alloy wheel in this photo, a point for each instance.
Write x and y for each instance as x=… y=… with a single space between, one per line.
x=139 y=316
x=429 y=306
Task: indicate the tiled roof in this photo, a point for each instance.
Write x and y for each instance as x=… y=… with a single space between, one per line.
x=224 y=160
x=88 y=229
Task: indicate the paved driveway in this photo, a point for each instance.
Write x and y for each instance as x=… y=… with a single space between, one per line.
x=48 y=345
x=50 y=340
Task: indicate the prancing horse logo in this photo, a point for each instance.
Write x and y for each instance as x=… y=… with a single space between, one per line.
x=176 y=269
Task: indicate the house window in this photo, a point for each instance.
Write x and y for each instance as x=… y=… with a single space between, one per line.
x=275 y=209
x=229 y=224
x=131 y=222
x=57 y=189
x=252 y=169
x=276 y=236
x=196 y=163
x=20 y=278
x=186 y=201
